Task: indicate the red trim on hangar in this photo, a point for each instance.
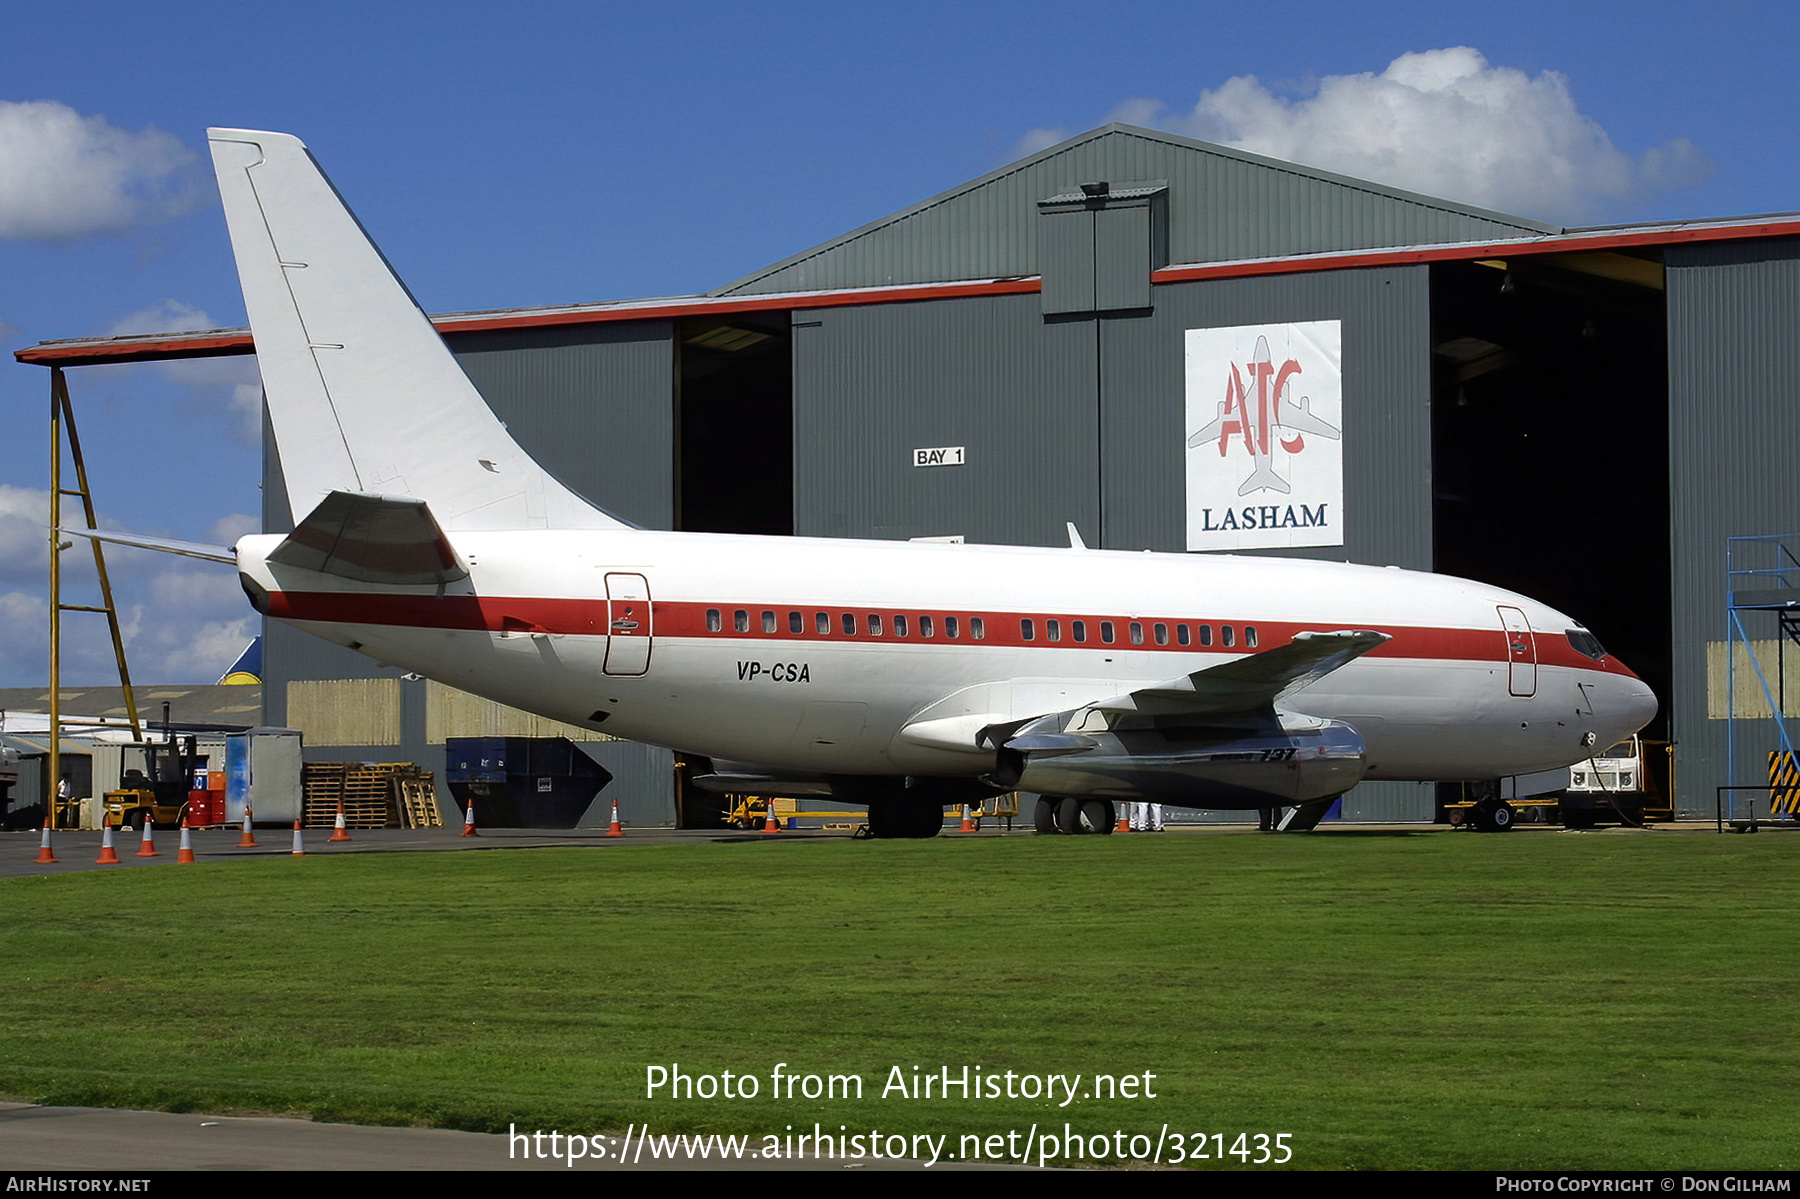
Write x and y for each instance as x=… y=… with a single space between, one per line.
x=101 y=351
x=1569 y=243
x=1002 y=630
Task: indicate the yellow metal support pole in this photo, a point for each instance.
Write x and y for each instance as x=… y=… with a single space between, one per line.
x=62 y=413
x=106 y=598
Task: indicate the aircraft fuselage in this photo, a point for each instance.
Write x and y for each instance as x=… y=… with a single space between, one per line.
x=882 y=658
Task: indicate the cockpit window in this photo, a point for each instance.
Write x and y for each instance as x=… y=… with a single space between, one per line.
x=1585 y=643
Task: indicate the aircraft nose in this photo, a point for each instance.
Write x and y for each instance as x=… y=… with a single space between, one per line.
x=1628 y=708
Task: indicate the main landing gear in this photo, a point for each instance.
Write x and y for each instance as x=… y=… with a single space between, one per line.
x=905 y=816
x=1070 y=814
x=1492 y=816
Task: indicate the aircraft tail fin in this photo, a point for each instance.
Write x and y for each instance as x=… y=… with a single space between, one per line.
x=363 y=394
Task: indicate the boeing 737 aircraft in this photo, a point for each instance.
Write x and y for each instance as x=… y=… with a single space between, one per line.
x=897 y=676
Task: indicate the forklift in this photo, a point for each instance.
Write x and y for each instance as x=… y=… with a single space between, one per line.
x=160 y=792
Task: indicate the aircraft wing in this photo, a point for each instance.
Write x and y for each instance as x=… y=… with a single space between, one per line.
x=1252 y=683
x=1208 y=432
x=372 y=539
x=1213 y=738
x=1298 y=417
x=1240 y=694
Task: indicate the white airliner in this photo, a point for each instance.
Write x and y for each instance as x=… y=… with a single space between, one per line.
x=897 y=676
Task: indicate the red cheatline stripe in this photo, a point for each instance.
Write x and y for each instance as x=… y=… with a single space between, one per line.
x=689 y=619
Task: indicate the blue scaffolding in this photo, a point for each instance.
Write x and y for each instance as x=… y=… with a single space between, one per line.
x=1762 y=574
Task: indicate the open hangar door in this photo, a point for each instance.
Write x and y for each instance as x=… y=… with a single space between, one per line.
x=734 y=428
x=1550 y=441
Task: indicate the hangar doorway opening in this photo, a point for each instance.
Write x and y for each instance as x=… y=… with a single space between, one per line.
x=1550 y=442
x=734 y=428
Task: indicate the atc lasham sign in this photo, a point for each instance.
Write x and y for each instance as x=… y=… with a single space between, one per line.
x=1265 y=421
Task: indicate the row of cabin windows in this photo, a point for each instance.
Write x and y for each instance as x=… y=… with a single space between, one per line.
x=1159 y=632
x=874 y=623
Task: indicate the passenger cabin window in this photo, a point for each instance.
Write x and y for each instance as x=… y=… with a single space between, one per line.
x=1225 y=635
x=740 y=620
x=823 y=620
x=1205 y=634
x=849 y=624
x=1137 y=633
x=976 y=629
x=1053 y=629
x=874 y=624
x=1027 y=629
x=1181 y=634
x=951 y=629
x=899 y=625
x=1079 y=629
x=1106 y=631
x=795 y=623
x=925 y=629
x=714 y=622
x=768 y=621
x=1250 y=635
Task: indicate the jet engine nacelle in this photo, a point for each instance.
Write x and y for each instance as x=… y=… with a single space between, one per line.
x=1206 y=767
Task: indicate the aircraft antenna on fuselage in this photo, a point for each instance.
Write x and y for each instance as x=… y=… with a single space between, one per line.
x=363 y=394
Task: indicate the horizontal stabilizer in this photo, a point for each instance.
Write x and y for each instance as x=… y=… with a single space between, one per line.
x=372 y=539
x=166 y=545
x=1253 y=682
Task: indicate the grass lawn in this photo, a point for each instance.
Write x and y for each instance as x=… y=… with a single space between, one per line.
x=1388 y=1000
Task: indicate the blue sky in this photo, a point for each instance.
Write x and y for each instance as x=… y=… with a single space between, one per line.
x=549 y=153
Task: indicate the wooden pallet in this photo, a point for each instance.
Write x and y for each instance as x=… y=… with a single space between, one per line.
x=418 y=801
x=368 y=791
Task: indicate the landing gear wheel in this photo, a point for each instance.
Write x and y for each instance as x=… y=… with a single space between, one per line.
x=1098 y=816
x=1044 y=818
x=1502 y=818
x=885 y=817
x=1068 y=815
x=924 y=820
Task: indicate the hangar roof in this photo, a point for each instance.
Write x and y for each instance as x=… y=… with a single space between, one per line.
x=1225 y=205
x=1235 y=214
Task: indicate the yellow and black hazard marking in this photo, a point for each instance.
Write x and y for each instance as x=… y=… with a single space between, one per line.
x=1784 y=783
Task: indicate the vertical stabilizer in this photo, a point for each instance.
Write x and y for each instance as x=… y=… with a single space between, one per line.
x=363 y=394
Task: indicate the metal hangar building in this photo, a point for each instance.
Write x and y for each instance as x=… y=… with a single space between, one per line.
x=1089 y=335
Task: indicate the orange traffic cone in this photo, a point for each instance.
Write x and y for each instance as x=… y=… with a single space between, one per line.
x=340 y=833
x=248 y=840
x=968 y=824
x=469 y=819
x=147 y=845
x=108 y=855
x=186 y=852
x=1124 y=825
x=44 y=853
x=770 y=824
x=299 y=845
x=615 y=830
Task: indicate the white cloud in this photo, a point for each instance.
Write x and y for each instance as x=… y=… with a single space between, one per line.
x=227 y=529
x=191 y=625
x=232 y=382
x=1445 y=123
x=24 y=533
x=65 y=176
